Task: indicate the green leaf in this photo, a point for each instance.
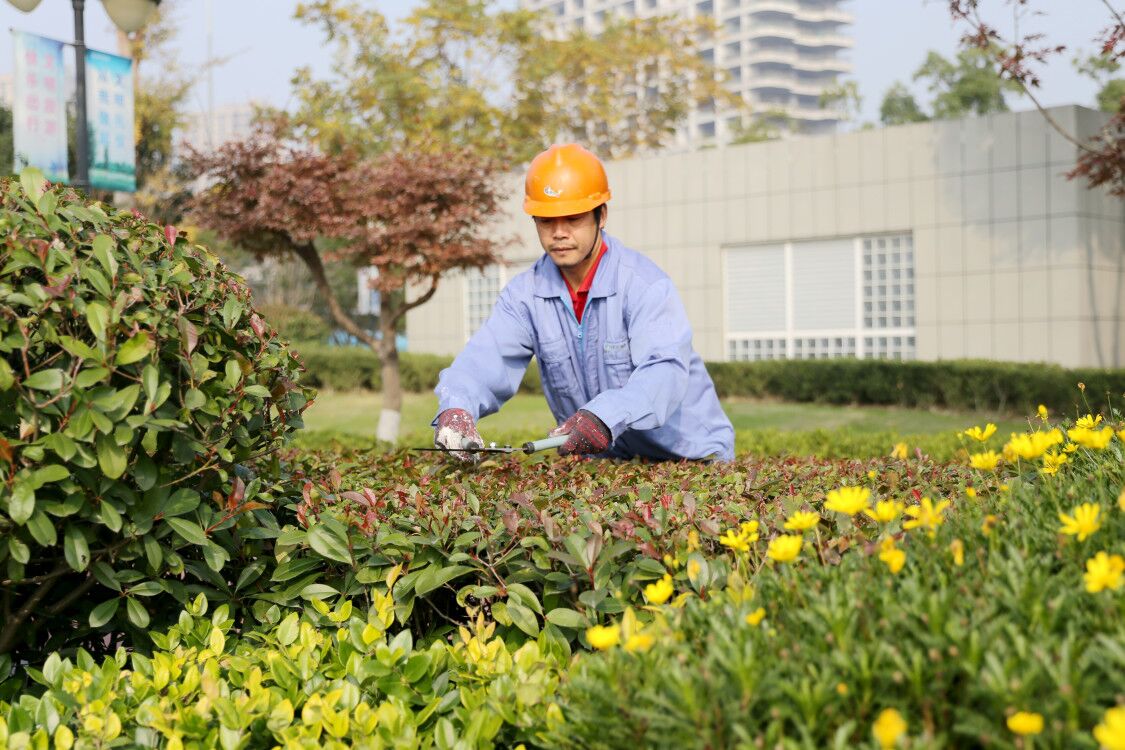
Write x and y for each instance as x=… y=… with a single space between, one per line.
x=19 y=551
x=138 y=615
x=106 y=576
x=250 y=573
x=111 y=457
x=525 y=596
x=104 y=612
x=97 y=317
x=182 y=501
x=7 y=378
x=194 y=399
x=330 y=539
x=34 y=184
x=75 y=548
x=87 y=378
x=42 y=530
x=134 y=350
x=150 y=378
x=318 y=591
x=145 y=473
x=48 y=474
x=45 y=380
x=566 y=618
x=215 y=556
x=435 y=576
x=109 y=516
x=103 y=251
x=146 y=588
x=523 y=618
x=233 y=373
x=22 y=503
x=288 y=629
x=190 y=531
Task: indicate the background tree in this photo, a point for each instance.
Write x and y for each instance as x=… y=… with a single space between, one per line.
x=468 y=73
x=968 y=85
x=413 y=215
x=1101 y=69
x=899 y=107
x=1101 y=160
x=844 y=99
x=7 y=135
x=763 y=126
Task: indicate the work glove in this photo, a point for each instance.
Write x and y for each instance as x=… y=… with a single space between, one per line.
x=455 y=429
x=585 y=434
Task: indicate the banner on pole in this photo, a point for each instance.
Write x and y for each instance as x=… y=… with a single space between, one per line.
x=39 y=108
x=109 y=117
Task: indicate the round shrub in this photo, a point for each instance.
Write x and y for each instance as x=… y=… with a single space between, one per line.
x=135 y=378
x=295 y=323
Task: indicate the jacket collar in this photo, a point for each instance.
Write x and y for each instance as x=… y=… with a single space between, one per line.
x=549 y=280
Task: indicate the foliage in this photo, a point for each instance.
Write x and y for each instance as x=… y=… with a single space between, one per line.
x=899 y=107
x=844 y=98
x=968 y=85
x=330 y=678
x=134 y=376
x=502 y=82
x=7 y=144
x=762 y=126
x=1101 y=159
x=1101 y=69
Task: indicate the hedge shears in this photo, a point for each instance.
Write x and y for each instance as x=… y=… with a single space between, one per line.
x=472 y=446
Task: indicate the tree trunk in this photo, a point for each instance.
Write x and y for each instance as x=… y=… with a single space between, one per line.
x=391 y=415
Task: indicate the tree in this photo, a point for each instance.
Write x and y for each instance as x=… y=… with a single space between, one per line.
x=1101 y=68
x=764 y=126
x=413 y=215
x=464 y=73
x=968 y=85
x=844 y=98
x=7 y=136
x=1101 y=160
x=899 y=107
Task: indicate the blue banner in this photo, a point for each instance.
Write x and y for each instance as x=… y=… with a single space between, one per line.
x=39 y=107
x=109 y=117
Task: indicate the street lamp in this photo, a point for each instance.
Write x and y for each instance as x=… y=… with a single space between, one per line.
x=129 y=16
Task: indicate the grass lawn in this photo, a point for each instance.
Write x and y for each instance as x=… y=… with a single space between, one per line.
x=357 y=413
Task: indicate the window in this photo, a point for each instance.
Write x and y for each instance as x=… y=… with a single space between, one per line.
x=706 y=130
x=734 y=73
x=481 y=288
x=847 y=297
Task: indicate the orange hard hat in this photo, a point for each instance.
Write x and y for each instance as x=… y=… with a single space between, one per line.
x=565 y=179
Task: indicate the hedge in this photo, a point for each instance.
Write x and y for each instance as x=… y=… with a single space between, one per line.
x=972 y=385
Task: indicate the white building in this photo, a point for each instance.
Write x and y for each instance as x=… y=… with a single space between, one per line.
x=778 y=55
x=943 y=240
x=207 y=131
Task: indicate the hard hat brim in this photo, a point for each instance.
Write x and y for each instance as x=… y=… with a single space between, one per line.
x=553 y=209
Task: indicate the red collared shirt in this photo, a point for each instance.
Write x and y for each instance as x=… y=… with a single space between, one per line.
x=578 y=298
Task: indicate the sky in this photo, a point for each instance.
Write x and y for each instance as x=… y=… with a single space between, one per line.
x=265 y=44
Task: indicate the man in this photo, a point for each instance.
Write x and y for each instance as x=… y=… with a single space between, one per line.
x=606 y=326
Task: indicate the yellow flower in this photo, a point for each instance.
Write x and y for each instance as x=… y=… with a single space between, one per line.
x=1121 y=435
x=1030 y=446
x=1110 y=734
x=871 y=472
x=1083 y=523
x=1052 y=462
x=971 y=492
x=659 y=592
x=926 y=515
x=692 y=540
x=639 y=642
x=1042 y=412
x=1070 y=448
x=756 y=617
x=1088 y=438
x=888 y=728
x=1104 y=572
x=986 y=461
x=802 y=520
x=735 y=541
x=989 y=521
x=957 y=547
x=899 y=451
x=849 y=500
x=892 y=556
x=841 y=688
x=603 y=637
x=749 y=530
x=1025 y=723
x=694 y=568
x=784 y=548
x=1089 y=421
x=976 y=433
x=885 y=511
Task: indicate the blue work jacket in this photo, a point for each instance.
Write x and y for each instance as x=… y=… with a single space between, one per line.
x=630 y=361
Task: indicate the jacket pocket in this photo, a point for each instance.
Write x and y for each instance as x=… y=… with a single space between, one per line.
x=618 y=362
x=556 y=367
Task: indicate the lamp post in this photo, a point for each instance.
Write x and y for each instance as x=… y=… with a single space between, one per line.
x=127 y=15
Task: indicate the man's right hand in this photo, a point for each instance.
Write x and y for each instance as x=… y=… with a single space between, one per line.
x=455 y=430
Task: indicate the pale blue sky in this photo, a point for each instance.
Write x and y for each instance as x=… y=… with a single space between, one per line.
x=266 y=45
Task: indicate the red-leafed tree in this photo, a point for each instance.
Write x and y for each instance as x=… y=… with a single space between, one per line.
x=413 y=216
x=1101 y=159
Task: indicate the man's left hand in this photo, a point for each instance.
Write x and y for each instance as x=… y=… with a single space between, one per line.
x=585 y=434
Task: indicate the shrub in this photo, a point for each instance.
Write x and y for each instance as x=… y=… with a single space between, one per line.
x=333 y=678
x=295 y=323
x=134 y=378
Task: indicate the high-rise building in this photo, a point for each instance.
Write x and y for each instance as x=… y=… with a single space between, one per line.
x=209 y=130
x=778 y=55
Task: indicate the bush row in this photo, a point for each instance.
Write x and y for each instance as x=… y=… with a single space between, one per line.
x=971 y=385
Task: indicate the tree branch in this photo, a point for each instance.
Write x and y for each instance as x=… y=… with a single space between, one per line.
x=74 y=595
x=15 y=625
x=311 y=258
x=408 y=306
